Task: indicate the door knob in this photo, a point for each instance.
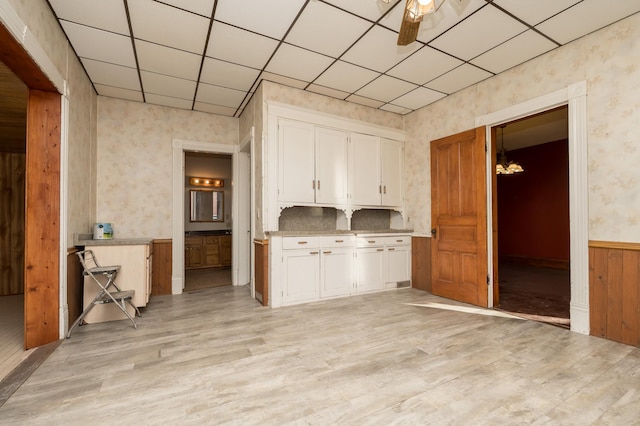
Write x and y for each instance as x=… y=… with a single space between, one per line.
x=433 y=232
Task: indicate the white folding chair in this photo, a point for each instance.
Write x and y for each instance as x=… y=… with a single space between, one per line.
x=109 y=291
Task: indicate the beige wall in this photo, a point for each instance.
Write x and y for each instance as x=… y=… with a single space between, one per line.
x=609 y=60
x=134 y=172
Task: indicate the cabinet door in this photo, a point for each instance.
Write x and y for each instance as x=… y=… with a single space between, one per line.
x=331 y=166
x=392 y=161
x=364 y=173
x=193 y=256
x=369 y=269
x=337 y=272
x=398 y=264
x=296 y=168
x=301 y=270
x=225 y=250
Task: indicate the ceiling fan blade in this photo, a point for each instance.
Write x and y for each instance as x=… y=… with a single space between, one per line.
x=408 y=30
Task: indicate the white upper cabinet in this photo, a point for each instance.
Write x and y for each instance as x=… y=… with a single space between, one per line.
x=376 y=171
x=312 y=164
x=296 y=152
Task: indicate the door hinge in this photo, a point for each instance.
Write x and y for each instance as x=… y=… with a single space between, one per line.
x=486 y=148
x=488 y=280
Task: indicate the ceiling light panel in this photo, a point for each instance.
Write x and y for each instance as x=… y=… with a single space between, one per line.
x=201 y=7
x=368 y=9
x=271 y=18
x=217 y=95
x=347 y=77
x=326 y=29
x=418 y=98
x=228 y=75
x=513 y=52
x=167 y=86
x=169 y=26
x=385 y=88
x=298 y=63
x=116 y=92
x=585 y=17
x=168 y=101
x=100 y=45
x=249 y=49
x=105 y=15
x=112 y=75
x=424 y=65
x=378 y=50
x=461 y=77
x=535 y=12
x=168 y=61
x=478 y=33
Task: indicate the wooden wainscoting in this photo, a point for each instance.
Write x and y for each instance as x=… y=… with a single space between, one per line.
x=161 y=267
x=421 y=263
x=262 y=270
x=614 y=291
x=75 y=284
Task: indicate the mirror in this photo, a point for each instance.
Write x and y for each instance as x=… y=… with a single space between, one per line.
x=207 y=206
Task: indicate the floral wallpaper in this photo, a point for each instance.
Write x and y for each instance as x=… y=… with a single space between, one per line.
x=134 y=151
x=609 y=60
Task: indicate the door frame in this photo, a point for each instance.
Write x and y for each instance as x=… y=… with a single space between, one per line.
x=575 y=97
x=247 y=146
x=181 y=146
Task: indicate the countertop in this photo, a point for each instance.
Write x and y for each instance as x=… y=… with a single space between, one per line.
x=86 y=240
x=338 y=232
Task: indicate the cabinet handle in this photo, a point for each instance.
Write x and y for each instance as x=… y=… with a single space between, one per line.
x=371 y=241
x=391 y=249
x=318 y=184
x=384 y=191
x=339 y=241
x=302 y=242
x=399 y=241
x=327 y=252
x=380 y=250
x=380 y=189
x=313 y=252
x=313 y=184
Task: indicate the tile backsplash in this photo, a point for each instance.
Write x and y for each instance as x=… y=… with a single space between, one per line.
x=308 y=219
x=371 y=220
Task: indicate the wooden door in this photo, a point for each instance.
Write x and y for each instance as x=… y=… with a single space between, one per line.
x=459 y=217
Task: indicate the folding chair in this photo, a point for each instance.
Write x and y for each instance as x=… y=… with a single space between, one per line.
x=109 y=291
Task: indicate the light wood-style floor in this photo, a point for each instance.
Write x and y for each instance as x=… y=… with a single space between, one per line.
x=399 y=357
x=12 y=351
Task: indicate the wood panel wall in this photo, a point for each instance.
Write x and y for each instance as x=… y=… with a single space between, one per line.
x=421 y=263
x=161 y=267
x=614 y=291
x=261 y=279
x=75 y=284
x=12 y=205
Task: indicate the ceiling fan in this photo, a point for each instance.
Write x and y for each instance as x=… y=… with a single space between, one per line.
x=414 y=11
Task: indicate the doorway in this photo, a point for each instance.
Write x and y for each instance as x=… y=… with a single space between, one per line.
x=531 y=217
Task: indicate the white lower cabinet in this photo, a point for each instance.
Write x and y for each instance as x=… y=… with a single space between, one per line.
x=304 y=269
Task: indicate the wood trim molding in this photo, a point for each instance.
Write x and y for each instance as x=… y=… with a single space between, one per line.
x=614 y=245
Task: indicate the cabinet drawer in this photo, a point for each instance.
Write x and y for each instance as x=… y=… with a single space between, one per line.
x=370 y=241
x=400 y=240
x=193 y=240
x=211 y=240
x=212 y=249
x=289 y=243
x=334 y=241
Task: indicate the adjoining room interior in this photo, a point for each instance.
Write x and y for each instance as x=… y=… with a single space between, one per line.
x=533 y=217
x=13 y=116
x=207 y=220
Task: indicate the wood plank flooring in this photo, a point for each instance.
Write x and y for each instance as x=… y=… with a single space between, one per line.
x=12 y=351
x=399 y=357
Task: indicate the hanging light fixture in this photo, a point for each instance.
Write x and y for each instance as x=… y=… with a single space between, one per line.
x=504 y=167
x=416 y=9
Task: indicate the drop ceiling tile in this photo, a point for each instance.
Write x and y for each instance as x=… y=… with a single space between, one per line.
x=365 y=101
x=418 y=98
x=378 y=50
x=424 y=65
x=519 y=49
x=217 y=95
x=271 y=18
x=116 y=92
x=112 y=75
x=201 y=7
x=280 y=79
x=100 y=45
x=165 y=85
x=396 y=109
x=167 y=25
x=326 y=29
x=249 y=49
x=461 y=77
x=168 y=101
x=229 y=75
x=327 y=91
x=106 y=15
x=480 y=32
x=346 y=77
x=371 y=10
x=535 y=12
x=446 y=17
x=214 y=109
x=297 y=63
x=165 y=60
x=586 y=17
x=385 y=88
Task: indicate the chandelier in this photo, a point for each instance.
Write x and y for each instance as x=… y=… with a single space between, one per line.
x=504 y=167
